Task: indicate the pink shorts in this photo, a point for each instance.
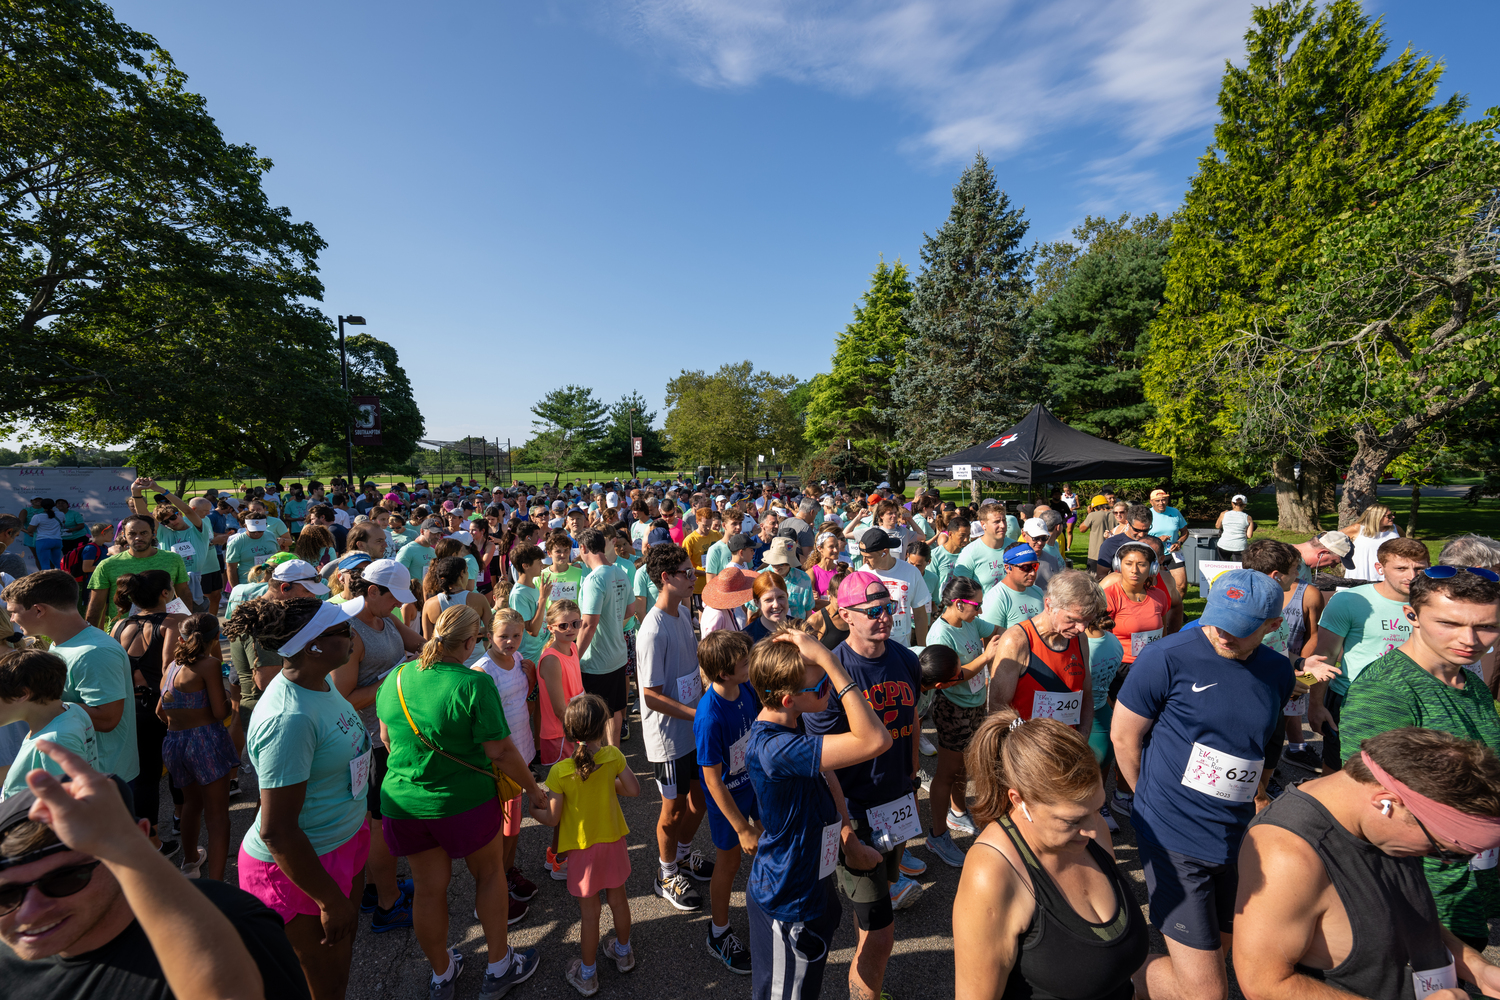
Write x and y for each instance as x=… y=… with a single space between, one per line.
x=598 y=866
x=552 y=751
x=460 y=836
x=268 y=883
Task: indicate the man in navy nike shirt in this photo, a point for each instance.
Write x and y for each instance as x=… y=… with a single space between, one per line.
x=1210 y=698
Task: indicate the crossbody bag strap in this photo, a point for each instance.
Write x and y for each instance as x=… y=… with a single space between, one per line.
x=425 y=741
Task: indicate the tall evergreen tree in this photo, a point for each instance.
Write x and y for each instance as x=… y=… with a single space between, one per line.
x=1302 y=125
x=852 y=401
x=968 y=366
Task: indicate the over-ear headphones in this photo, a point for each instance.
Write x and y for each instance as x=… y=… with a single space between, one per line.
x=1154 y=569
x=1385 y=807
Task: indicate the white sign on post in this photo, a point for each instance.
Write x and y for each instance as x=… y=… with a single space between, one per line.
x=1209 y=570
x=963 y=472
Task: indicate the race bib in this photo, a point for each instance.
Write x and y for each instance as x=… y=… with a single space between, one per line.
x=828 y=854
x=261 y=559
x=359 y=775
x=978 y=682
x=689 y=689
x=737 y=754
x=1140 y=640
x=1296 y=705
x=186 y=550
x=1221 y=775
x=564 y=591
x=176 y=607
x=1432 y=980
x=898 y=818
x=1065 y=706
x=1485 y=859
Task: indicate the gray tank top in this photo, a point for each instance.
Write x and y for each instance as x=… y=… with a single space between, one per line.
x=1294 y=616
x=384 y=650
x=1390 y=909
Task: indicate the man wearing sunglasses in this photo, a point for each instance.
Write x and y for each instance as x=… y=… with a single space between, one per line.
x=83 y=896
x=1137 y=525
x=1016 y=597
x=1454 y=614
x=1356 y=837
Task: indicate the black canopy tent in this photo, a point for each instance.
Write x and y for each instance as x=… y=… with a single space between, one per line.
x=1043 y=449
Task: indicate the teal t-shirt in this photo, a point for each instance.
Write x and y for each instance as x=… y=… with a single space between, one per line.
x=244 y=592
x=204 y=559
x=1012 y=530
x=605 y=592
x=1370 y=625
x=1167 y=525
x=72 y=730
x=523 y=600
x=967 y=641
x=1004 y=607
x=1106 y=655
x=716 y=558
x=98 y=675
x=800 y=596
x=643 y=587
x=298 y=735
x=981 y=563
x=415 y=558
x=275 y=525
x=941 y=566
x=247 y=553
x=73 y=526
x=27 y=513
x=296 y=513
x=473 y=565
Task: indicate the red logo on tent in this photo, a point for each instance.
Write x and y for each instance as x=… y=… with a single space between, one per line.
x=1005 y=441
x=1234 y=593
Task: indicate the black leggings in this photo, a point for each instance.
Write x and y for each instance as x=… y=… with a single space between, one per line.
x=149 y=733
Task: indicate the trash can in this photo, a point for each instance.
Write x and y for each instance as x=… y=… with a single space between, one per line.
x=1200 y=544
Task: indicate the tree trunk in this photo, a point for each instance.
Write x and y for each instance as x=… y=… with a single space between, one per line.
x=974 y=492
x=1366 y=468
x=182 y=481
x=895 y=474
x=1294 y=508
x=1411 y=517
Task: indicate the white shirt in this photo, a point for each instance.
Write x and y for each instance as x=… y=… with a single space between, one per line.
x=909 y=591
x=342 y=517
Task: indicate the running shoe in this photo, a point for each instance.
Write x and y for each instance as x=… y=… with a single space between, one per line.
x=625 y=729
x=905 y=892
x=369 y=900
x=1306 y=757
x=193 y=869
x=395 y=918
x=449 y=986
x=170 y=847
x=1274 y=788
x=177 y=826
x=961 y=823
x=515 y=912
x=623 y=963
x=696 y=865
x=587 y=987
x=1109 y=818
x=926 y=746
x=521 y=887
x=558 y=869
x=728 y=950
x=911 y=864
x=523 y=965
x=946 y=850
x=234 y=788
x=1123 y=803
x=678 y=891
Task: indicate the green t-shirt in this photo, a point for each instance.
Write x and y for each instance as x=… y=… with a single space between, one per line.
x=27 y=513
x=73 y=526
x=415 y=558
x=247 y=553
x=942 y=565
x=1004 y=607
x=275 y=526
x=716 y=558
x=401 y=539
x=297 y=736
x=98 y=675
x=968 y=642
x=981 y=563
x=457 y=709
x=605 y=592
x=1370 y=625
x=296 y=513
x=1393 y=692
x=565 y=586
x=641 y=586
x=110 y=569
x=200 y=539
x=72 y=730
x=523 y=600
x=801 y=597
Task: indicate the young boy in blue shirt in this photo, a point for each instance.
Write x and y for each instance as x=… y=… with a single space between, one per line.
x=721 y=731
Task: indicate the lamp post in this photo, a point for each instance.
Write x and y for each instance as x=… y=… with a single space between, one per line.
x=344 y=371
x=632 y=442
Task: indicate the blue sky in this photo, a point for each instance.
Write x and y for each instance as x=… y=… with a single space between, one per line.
x=523 y=195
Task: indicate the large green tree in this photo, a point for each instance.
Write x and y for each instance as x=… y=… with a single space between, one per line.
x=852 y=401
x=1312 y=113
x=569 y=423
x=968 y=352
x=1102 y=292
x=734 y=415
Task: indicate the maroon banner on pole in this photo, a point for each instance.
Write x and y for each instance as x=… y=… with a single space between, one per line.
x=367 y=421
x=636 y=449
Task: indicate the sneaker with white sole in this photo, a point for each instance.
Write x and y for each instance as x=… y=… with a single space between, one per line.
x=193 y=869
x=1109 y=819
x=523 y=964
x=905 y=892
x=556 y=867
x=911 y=864
x=1122 y=804
x=696 y=865
x=623 y=963
x=587 y=987
x=727 y=949
x=946 y=850
x=448 y=987
x=925 y=745
x=961 y=823
x=678 y=891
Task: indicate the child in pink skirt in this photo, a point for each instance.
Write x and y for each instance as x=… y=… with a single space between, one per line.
x=584 y=805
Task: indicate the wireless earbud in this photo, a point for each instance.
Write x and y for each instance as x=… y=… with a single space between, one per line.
x=1385 y=807
x=315 y=649
x=1027 y=812
x=1412 y=616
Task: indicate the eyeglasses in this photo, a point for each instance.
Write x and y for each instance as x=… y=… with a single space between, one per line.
x=819 y=689
x=1444 y=855
x=1448 y=572
x=889 y=608
x=56 y=884
x=566 y=626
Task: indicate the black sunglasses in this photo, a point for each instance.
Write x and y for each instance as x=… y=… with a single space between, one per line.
x=1444 y=855
x=55 y=884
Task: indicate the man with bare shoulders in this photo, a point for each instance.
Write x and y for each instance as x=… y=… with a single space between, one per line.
x=1332 y=901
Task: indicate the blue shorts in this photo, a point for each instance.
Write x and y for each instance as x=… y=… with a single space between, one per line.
x=719 y=827
x=1192 y=901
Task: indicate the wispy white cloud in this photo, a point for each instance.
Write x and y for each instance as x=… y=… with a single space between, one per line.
x=1000 y=75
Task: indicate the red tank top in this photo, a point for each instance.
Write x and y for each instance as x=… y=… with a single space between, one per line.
x=1137 y=625
x=1048 y=670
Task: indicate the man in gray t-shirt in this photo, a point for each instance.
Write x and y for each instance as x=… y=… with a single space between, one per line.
x=667 y=669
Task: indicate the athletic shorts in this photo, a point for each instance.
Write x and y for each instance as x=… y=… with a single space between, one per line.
x=672 y=774
x=787 y=958
x=268 y=883
x=213 y=581
x=870 y=889
x=379 y=764
x=719 y=827
x=1171 y=560
x=956 y=724
x=1332 y=757
x=459 y=835
x=1192 y=901
x=610 y=687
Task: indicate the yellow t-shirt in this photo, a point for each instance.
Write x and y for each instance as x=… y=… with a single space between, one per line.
x=591 y=812
x=697 y=545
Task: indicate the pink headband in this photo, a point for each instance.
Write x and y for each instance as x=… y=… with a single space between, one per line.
x=1475 y=834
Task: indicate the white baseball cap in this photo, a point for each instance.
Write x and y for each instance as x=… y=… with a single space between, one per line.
x=392 y=576
x=1035 y=527
x=303 y=572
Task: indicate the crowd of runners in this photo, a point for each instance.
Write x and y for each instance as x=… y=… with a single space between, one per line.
x=414 y=672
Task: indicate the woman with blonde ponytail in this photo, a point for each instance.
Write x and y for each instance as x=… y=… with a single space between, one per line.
x=445 y=727
x=1044 y=861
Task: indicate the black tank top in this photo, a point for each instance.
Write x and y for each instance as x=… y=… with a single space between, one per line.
x=1390 y=908
x=1065 y=957
x=149 y=661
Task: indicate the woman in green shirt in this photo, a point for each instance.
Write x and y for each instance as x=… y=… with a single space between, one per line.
x=444 y=727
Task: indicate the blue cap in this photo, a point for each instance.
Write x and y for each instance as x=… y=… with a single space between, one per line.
x=659 y=536
x=1020 y=554
x=354 y=559
x=1241 y=601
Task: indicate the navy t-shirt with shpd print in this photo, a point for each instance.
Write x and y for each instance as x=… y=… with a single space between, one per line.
x=891 y=685
x=795 y=807
x=1214 y=718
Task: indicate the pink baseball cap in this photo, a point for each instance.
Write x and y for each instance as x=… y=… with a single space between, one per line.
x=858 y=588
